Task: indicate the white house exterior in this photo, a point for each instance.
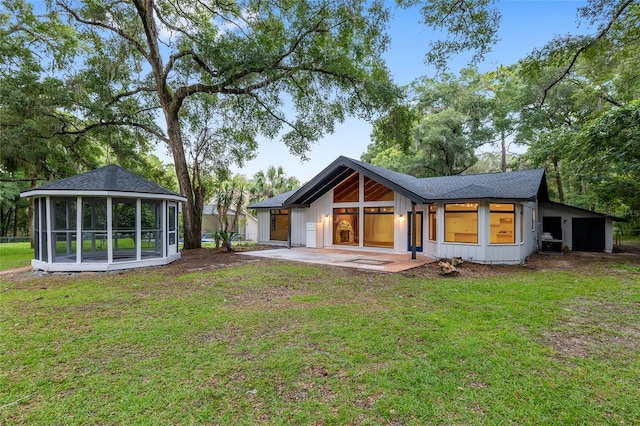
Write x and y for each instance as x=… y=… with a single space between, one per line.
x=102 y=220
x=490 y=218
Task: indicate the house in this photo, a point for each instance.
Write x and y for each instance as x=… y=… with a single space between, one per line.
x=246 y=227
x=490 y=218
x=103 y=220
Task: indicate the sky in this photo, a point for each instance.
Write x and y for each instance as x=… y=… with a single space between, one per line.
x=526 y=24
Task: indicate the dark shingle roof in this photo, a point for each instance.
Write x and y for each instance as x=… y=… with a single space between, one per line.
x=518 y=185
x=109 y=178
x=274 y=202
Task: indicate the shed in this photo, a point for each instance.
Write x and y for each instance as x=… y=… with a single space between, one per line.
x=105 y=219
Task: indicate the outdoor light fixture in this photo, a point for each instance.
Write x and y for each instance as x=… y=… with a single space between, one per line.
x=401 y=217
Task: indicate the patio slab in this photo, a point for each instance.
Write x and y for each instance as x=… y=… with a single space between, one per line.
x=369 y=260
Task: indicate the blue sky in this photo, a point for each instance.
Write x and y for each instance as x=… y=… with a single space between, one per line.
x=525 y=25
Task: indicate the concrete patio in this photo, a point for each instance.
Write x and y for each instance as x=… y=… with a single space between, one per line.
x=369 y=260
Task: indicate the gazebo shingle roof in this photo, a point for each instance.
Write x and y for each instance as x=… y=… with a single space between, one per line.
x=110 y=178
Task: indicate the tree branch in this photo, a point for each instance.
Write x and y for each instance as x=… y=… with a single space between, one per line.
x=115 y=30
x=584 y=48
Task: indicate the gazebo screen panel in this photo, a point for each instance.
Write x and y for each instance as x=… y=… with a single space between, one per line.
x=94 y=230
x=124 y=230
x=151 y=222
x=64 y=229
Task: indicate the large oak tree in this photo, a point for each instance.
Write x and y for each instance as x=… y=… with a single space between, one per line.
x=287 y=69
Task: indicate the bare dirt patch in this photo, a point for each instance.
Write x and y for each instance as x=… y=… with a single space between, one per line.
x=597 y=328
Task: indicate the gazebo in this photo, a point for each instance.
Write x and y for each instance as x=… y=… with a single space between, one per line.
x=102 y=220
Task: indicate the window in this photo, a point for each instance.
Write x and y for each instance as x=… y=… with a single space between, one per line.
x=279 y=225
x=502 y=223
x=378 y=227
x=461 y=223
x=348 y=191
x=374 y=191
x=533 y=220
x=433 y=229
x=346 y=226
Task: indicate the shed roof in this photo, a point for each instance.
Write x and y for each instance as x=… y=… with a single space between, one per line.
x=109 y=178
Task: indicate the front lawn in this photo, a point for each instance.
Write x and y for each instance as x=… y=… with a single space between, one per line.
x=15 y=255
x=267 y=342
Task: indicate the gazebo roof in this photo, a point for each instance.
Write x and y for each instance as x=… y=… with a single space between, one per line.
x=106 y=179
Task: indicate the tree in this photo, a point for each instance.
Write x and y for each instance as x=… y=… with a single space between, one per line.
x=271 y=183
x=447 y=122
x=229 y=193
x=257 y=60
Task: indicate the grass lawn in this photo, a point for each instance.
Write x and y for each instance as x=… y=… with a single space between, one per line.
x=15 y=255
x=270 y=342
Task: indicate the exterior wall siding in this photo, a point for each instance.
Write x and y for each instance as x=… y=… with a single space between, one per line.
x=321 y=211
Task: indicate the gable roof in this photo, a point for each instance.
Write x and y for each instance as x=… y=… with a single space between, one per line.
x=109 y=178
x=518 y=185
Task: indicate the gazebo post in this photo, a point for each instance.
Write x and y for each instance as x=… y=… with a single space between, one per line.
x=79 y=239
x=109 y=231
x=50 y=242
x=138 y=229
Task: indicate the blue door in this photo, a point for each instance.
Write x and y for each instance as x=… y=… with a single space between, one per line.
x=418 y=231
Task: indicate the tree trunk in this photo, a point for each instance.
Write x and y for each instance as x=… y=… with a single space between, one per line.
x=192 y=212
x=558 y=181
x=504 y=152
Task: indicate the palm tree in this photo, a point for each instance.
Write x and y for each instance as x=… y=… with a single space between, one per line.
x=271 y=183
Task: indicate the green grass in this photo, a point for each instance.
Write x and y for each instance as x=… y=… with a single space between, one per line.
x=280 y=343
x=15 y=255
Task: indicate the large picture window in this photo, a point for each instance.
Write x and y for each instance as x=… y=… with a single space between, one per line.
x=433 y=229
x=279 y=225
x=346 y=226
x=378 y=227
x=461 y=223
x=502 y=223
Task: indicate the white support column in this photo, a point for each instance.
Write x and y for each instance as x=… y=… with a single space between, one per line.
x=79 y=238
x=165 y=229
x=67 y=226
x=50 y=243
x=40 y=219
x=138 y=229
x=109 y=231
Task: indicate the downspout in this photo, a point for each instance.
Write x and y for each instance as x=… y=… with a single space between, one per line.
x=414 y=222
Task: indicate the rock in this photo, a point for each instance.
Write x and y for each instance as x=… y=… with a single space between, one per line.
x=447 y=269
x=456 y=261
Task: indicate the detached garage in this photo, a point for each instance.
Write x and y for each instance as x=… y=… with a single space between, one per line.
x=579 y=229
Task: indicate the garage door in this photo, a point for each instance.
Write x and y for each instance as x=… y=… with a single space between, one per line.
x=588 y=234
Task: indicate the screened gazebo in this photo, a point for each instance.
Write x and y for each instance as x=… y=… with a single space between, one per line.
x=103 y=220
